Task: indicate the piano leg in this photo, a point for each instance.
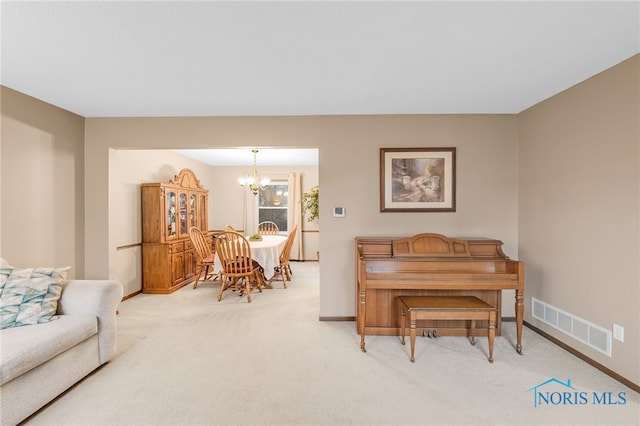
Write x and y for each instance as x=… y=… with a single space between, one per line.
x=492 y=333
x=362 y=316
x=519 y=319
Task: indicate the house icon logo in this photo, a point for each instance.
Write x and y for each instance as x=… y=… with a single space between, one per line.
x=560 y=392
x=557 y=392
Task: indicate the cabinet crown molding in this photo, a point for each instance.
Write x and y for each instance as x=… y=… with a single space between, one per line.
x=186 y=179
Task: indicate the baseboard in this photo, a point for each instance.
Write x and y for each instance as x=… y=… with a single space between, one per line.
x=337 y=318
x=508 y=319
x=129 y=296
x=584 y=357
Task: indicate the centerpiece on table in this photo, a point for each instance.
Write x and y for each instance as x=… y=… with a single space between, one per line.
x=255 y=237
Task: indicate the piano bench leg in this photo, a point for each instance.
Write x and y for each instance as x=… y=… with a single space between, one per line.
x=403 y=319
x=472 y=332
x=412 y=334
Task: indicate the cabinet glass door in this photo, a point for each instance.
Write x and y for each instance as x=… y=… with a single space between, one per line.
x=202 y=213
x=171 y=214
x=193 y=205
x=183 y=214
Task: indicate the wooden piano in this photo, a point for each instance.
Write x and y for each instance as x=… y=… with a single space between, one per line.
x=431 y=264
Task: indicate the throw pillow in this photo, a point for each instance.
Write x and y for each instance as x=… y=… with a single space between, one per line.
x=52 y=272
x=29 y=296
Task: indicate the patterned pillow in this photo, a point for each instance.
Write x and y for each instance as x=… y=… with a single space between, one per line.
x=29 y=296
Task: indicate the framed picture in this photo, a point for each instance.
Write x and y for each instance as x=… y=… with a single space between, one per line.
x=417 y=179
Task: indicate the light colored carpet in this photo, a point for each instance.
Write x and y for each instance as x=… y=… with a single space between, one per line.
x=185 y=359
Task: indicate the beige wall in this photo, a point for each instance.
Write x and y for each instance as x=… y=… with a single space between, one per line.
x=579 y=192
x=348 y=177
x=42 y=175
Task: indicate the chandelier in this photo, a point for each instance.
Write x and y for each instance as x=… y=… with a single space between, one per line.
x=254 y=183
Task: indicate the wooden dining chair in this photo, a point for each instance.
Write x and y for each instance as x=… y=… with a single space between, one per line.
x=239 y=270
x=283 y=269
x=268 y=228
x=204 y=254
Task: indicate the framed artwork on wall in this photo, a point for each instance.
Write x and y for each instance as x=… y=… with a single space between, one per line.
x=417 y=179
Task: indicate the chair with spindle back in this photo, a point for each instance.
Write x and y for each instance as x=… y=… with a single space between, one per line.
x=284 y=267
x=205 y=256
x=239 y=270
x=268 y=228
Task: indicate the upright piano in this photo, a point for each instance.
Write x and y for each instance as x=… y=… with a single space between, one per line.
x=431 y=264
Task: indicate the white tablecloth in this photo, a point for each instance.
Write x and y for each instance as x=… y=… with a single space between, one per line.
x=265 y=252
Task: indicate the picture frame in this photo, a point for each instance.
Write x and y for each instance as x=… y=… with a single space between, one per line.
x=417 y=179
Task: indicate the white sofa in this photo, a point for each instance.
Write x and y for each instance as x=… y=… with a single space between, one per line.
x=38 y=362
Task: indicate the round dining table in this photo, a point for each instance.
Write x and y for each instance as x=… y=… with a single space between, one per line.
x=267 y=252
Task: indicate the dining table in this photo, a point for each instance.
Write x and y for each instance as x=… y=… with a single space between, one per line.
x=267 y=252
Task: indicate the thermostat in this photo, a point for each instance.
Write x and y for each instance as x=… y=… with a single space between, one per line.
x=338 y=212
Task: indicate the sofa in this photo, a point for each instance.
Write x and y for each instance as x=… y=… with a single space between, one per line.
x=38 y=362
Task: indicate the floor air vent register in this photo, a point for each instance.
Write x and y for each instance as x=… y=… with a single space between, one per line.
x=593 y=335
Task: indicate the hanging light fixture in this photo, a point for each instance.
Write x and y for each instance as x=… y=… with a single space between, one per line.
x=254 y=183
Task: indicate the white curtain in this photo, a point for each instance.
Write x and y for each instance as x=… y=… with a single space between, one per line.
x=295 y=214
x=251 y=220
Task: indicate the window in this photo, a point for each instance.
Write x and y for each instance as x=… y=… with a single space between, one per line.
x=273 y=204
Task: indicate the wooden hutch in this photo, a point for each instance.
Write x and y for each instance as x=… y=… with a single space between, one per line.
x=168 y=211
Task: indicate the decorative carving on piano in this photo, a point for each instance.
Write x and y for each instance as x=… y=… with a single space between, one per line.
x=431 y=245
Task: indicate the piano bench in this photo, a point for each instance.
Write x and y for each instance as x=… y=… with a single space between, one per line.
x=446 y=308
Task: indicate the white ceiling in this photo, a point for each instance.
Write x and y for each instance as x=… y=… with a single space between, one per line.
x=183 y=58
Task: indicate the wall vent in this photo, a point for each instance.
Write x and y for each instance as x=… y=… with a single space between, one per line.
x=593 y=335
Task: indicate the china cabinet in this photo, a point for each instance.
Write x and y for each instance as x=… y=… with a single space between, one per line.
x=168 y=211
